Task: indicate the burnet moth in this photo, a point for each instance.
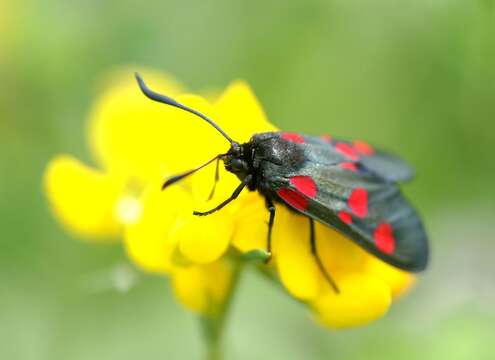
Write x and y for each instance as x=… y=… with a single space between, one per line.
x=347 y=185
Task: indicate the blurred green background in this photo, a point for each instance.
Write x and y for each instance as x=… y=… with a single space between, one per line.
x=416 y=77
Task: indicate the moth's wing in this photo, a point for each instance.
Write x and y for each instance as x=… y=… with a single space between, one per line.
x=381 y=163
x=362 y=206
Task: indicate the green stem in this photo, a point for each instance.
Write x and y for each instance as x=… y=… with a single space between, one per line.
x=213 y=325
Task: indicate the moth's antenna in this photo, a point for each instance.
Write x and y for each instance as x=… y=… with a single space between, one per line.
x=181 y=176
x=150 y=94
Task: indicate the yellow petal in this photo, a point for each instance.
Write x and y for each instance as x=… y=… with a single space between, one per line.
x=362 y=299
x=204 y=239
x=149 y=242
x=338 y=253
x=194 y=137
x=142 y=139
x=399 y=281
x=292 y=251
x=251 y=227
x=82 y=198
x=248 y=211
x=202 y=185
x=240 y=113
x=202 y=288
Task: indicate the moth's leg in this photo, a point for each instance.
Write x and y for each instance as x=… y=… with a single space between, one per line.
x=314 y=251
x=271 y=208
x=232 y=197
x=217 y=177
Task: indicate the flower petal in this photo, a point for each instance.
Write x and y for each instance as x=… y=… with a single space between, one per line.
x=399 y=281
x=240 y=113
x=202 y=185
x=142 y=139
x=82 y=198
x=149 y=242
x=251 y=228
x=204 y=239
x=362 y=299
x=297 y=267
x=337 y=252
x=247 y=212
x=195 y=135
x=202 y=288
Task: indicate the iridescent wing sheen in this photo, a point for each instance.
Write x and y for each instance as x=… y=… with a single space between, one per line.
x=362 y=203
x=368 y=158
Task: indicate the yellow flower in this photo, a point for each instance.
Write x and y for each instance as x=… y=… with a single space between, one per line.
x=138 y=143
x=201 y=288
x=123 y=127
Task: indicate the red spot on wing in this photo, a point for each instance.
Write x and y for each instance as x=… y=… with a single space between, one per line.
x=305 y=185
x=348 y=151
x=293 y=198
x=348 y=166
x=363 y=147
x=294 y=137
x=358 y=202
x=345 y=217
x=384 y=238
x=326 y=138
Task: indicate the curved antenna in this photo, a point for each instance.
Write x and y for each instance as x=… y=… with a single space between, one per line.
x=150 y=94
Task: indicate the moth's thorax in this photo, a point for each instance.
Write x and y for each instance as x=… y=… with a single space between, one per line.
x=264 y=149
x=271 y=147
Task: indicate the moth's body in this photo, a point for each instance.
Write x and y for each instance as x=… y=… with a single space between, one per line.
x=262 y=157
x=316 y=177
x=346 y=185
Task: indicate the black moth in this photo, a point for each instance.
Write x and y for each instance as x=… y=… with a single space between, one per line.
x=348 y=186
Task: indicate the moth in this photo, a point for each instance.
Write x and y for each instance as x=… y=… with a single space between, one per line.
x=349 y=186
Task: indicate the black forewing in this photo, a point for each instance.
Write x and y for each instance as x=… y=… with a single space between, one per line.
x=385 y=205
x=381 y=163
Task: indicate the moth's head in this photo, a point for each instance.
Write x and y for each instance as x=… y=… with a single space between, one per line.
x=235 y=160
